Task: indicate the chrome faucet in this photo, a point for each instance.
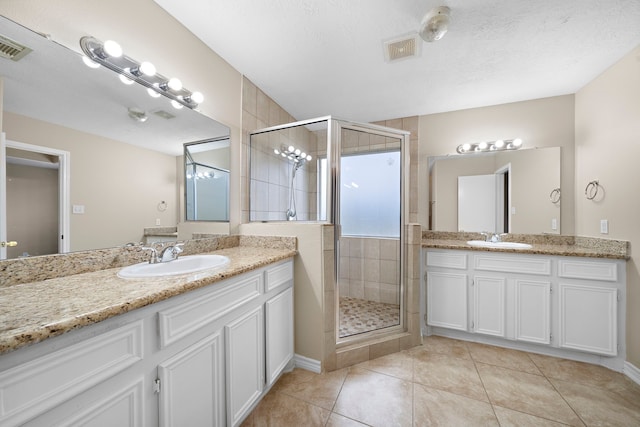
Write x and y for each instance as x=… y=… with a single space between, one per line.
x=168 y=253
x=171 y=252
x=493 y=237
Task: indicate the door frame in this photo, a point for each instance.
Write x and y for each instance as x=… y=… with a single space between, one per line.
x=64 y=179
x=334 y=153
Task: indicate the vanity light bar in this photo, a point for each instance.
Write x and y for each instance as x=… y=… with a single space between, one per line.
x=292 y=153
x=111 y=56
x=489 y=146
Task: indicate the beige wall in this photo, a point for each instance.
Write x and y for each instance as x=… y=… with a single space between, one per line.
x=119 y=185
x=608 y=149
x=547 y=122
x=32 y=210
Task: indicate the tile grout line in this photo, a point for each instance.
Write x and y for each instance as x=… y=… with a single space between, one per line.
x=556 y=389
x=473 y=360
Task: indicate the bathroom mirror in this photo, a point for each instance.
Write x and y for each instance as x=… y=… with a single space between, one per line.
x=125 y=147
x=206 y=166
x=530 y=199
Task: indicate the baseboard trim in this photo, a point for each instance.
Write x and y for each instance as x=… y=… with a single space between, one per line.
x=307 y=363
x=632 y=372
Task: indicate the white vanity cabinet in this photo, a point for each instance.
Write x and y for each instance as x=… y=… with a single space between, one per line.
x=197 y=359
x=567 y=303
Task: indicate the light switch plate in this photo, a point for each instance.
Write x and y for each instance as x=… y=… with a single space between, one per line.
x=604 y=226
x=554 y=224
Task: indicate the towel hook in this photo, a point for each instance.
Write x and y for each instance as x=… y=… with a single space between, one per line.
x=555 y=195
x=591 y=190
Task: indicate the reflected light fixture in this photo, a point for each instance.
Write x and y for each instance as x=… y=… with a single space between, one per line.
x=292 y=153
x=110 y=55
x=489 y=146
x=435 y=24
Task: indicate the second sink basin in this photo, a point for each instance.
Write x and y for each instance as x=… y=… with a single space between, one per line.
x=501 y=245
x=183 y=265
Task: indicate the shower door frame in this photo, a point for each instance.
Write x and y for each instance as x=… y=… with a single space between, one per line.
x=335 y=142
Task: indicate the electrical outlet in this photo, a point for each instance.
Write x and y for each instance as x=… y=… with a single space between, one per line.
x=604 y=226
x=157 y=221
x=78 y=209
x=554 y=224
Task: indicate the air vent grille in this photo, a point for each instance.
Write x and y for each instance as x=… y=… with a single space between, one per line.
x=405 y=47
x=12 y=50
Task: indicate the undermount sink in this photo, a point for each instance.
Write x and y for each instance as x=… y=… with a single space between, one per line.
x=500 y=245
x=182 y=265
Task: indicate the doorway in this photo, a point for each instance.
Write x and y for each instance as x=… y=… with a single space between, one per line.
x=34 y=217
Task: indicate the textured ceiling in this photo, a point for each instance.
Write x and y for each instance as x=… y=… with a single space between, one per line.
x=319 y=57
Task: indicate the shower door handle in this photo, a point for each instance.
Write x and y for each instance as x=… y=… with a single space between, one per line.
x=8 y=244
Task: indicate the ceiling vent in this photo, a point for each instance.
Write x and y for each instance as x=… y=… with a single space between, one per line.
x=10 y=49
x=407 y=46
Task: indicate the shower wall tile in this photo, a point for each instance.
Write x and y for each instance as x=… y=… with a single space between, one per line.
x=388 y=271
x=356 y=289
x=389 y=249
x=372 y=291
x=372 y=248
x=262 y=111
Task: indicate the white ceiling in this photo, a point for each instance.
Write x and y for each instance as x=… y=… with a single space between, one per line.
x=320 y=57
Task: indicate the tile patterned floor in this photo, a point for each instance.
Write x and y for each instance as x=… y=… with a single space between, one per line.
x=447 y=382
x=358 y=316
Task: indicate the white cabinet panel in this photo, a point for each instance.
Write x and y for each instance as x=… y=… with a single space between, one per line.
x=180 y=321
x=37 y=386
x=245 y=364
x=489 y=305
x=192 y=386
x=447 y=300
x=532 y=311
x=513 y=264
x=278 y=276
x=450 y=259
x=279 y=333
x=122 y=409
x=588 y=318
x=590 y=270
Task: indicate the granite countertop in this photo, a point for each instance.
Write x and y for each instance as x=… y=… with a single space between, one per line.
x=32 y=312
x=541 y=245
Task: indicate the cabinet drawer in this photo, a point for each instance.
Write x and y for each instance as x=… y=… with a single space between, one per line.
x=37 y=386
x=184 y=319
x=589 y=270
x=451 y=259
x=278 y=275
x=515 y=264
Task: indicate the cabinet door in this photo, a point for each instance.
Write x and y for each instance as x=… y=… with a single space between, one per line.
x=447 y=300
x=192 y=386
x=532 y=311
x=279 y=333
x=588 y=318
x=245 y=364
x=489 y=305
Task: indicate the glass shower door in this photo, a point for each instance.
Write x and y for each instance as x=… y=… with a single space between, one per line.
x=369 y=220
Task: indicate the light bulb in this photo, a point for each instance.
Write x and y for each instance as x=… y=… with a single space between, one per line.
x=499 y=143
x=112 y=48
x=482 y=145
x=174 y=84
x=466 y=147
x=197 y=97
x=309 y=158
x=147 y=68
x=152 y=93
x=283 y=154
x=297 y=152
x=176 y=104
x=303 y=155
x=275 y=150
x=291 y=148
x=517 y=142
x=89 y=63
x=126 y=80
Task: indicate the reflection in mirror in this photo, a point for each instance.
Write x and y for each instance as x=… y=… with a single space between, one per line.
x=517 y=195
x=124 y=146
x=206 y=166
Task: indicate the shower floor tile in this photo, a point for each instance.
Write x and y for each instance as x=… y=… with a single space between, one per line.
x=358 y=316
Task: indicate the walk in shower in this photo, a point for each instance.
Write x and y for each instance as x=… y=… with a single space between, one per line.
x=351 y=175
